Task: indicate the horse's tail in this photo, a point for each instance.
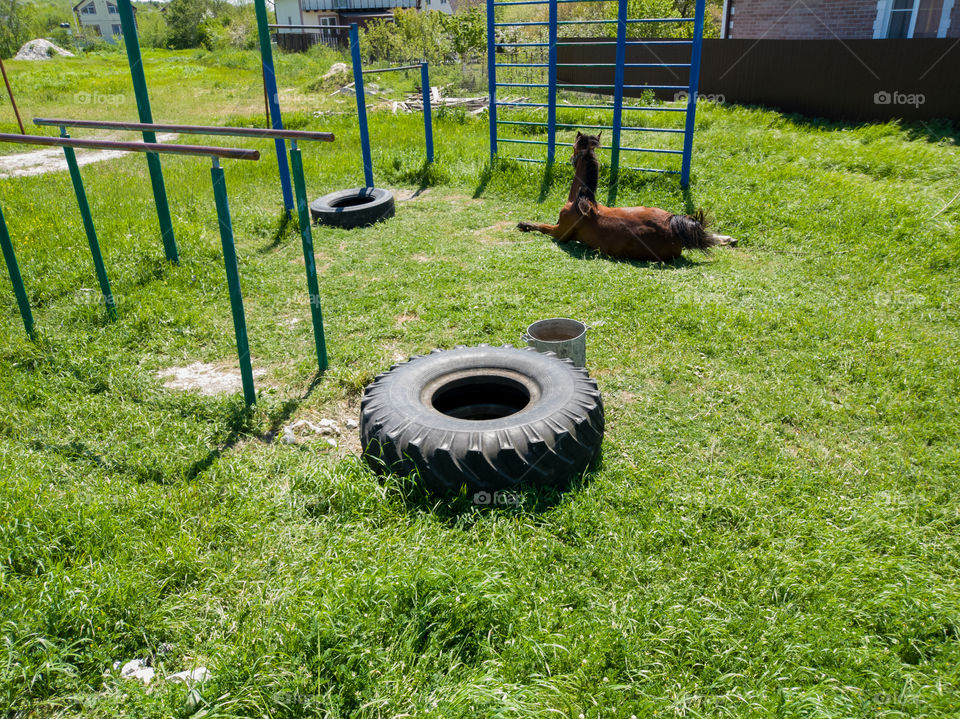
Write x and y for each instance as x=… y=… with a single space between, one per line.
x=692 y=230
x=586 y=202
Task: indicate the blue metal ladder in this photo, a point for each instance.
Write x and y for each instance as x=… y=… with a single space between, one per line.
x=618 y=87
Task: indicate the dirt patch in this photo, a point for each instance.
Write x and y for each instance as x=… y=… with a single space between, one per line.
x=207 y=379
x=405 y=195
x=407 y=317
x=483 y=234
x=422 y=258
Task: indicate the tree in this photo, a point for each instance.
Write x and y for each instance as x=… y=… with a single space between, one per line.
x=13 y=30
x=184 y=19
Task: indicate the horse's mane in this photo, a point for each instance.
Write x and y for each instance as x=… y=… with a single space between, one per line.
x=591 y=176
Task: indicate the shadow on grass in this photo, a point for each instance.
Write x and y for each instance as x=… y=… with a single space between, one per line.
x=240 y=424
x=486 y=174
x=469 y=505
x=582 y=252
x=546 y=184
x=280 y=231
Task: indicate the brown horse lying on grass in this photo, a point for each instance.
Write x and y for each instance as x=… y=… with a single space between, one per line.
x=636 y=233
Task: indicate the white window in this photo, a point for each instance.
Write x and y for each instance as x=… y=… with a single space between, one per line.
x=912 y=18
x=116 y=29
x=89 y=9
x=112 y=9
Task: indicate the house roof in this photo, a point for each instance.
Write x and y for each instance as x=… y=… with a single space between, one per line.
x=355 y=5
x=84 y=2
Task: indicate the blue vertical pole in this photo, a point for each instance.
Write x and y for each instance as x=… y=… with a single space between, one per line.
x=492 y=77
x=273 y=101
x=427 y=119
x=693 y=89
x=361 y=105
x=15 y=279
x=552 y=82
x=618 y=100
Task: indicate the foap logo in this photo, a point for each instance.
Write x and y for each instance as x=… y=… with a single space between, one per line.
x=498 y=499
x=98 y=98
x=683 y=96
x=886 y=97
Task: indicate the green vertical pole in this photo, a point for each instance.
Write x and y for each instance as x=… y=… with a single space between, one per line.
x=233 y=281
x=306 y=235
x=16 y=280
x=101 y=270
x=129 y=27
x=273 y=99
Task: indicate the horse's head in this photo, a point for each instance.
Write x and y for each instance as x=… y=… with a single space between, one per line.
x=584 y=146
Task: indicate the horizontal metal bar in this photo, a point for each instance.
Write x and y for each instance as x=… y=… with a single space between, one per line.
x=521 y=142
x=225 y=152
x=610 y=107
x=629 y=20
x=512 y=64
x=542 y=2
x=520 y=84
x=523 y=159
x=631 y=42
x=390 y=69
x=650 y=169
x=521 y=122
x=680 y=131
x=574 y=126
x=522 y=44
x=650 y=149
x=567 y=86
x=626 y=64
x=523 y=104
x=594 y=107
x=188 y=129
x=540 y=23
x=317 y=27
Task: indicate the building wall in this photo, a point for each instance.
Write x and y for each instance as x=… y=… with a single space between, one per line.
x=445 y=6
x=288 y=13
x=811 y=19
x=103 y=19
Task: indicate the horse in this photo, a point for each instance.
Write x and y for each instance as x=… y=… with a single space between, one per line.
x=635 y=233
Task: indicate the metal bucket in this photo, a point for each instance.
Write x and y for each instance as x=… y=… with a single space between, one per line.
x=566 y=338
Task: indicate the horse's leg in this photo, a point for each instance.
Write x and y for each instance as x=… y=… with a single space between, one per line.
x=551 y=230
x=723 y=240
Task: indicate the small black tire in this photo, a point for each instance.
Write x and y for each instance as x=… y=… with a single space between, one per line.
x=359 y=207
x=490 y=418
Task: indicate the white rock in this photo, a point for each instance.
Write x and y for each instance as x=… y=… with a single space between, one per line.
x=40 y=49
x=198 y=675
x=136 y=669
x=288 y=436
x=332 y=442
x=335 y=69
x=352 y=424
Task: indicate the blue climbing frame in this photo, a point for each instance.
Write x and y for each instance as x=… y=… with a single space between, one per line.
x=621 y=42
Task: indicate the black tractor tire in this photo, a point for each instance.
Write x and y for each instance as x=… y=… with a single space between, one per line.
x=490 y=418
x=359 y=207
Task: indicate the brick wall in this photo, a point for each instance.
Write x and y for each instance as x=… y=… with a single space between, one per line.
x=809 y=20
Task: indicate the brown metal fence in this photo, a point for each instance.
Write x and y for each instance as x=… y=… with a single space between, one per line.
x=837 y=79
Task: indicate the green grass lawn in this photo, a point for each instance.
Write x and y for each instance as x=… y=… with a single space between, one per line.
x=773 y=531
